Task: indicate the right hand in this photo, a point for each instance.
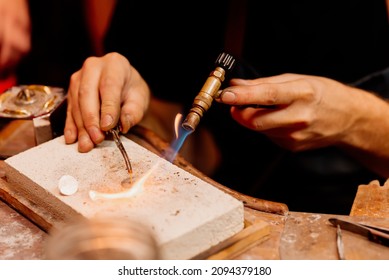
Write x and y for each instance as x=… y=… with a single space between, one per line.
x=105 y=90
x=15 y=34
x=310 y=112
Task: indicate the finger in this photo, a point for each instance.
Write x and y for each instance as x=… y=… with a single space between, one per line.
x=112 y=89
x=267 y=119
x=136 y=102
x=282 y=93
x=71 y=133
x=272 y=79
x=89 y=99
x=85 y=143
x=131 y=113
x=70 y=130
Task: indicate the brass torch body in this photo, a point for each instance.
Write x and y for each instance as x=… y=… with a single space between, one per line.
x=204 y=98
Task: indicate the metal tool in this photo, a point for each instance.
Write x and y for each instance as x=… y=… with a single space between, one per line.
x=209 y=91
x=116 y=137
x=44 y=105
x=339 y=243
x=375 y=234
x=28 y=102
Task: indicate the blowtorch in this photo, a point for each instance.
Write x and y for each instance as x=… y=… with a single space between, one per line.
x=203 y=101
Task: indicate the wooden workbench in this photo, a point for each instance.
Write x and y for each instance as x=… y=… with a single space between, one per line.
x=293 y=235
x=301 y=236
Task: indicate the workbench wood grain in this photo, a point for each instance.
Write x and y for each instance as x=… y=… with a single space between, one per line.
x=310 y=236
x=20 y=239
x=296 y=236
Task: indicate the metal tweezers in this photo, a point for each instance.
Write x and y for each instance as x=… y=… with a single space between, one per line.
x=375 y=234
x=116 y=137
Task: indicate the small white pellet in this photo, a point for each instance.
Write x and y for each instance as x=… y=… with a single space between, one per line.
x=68 y=185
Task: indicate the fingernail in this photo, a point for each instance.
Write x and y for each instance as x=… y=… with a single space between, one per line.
x=69 y=135
x=95 y=134
x=83 y=140
x=128 y=123
x=106 y=121
x=84 y=143
x=228 y=96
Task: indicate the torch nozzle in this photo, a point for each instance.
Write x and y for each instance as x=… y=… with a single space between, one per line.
x=191 y=121
x=208 y=92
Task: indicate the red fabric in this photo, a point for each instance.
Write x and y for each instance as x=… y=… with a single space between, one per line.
x=7 y=83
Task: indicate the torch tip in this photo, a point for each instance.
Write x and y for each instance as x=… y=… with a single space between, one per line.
x=191 y=121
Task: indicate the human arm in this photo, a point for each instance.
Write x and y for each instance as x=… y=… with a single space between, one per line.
x=107 y=89
x=15 y=34
x=312 y=112
x=104 y=91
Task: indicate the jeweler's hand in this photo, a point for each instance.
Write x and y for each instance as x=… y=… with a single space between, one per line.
x=15 y=34
x=103 y=91
x=309 y=111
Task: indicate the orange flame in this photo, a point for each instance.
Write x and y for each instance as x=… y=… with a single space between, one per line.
x=135 y=189
x=137 y=186
x=177 y=122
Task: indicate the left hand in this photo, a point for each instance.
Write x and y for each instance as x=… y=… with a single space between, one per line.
x=105 y=90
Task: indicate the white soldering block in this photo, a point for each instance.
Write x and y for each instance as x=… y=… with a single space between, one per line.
x=186 y=214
